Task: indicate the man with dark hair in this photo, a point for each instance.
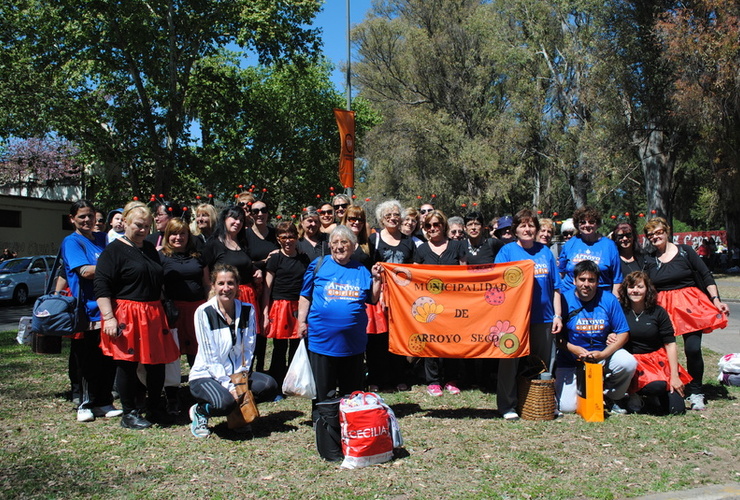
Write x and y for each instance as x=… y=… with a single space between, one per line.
x=591 y=317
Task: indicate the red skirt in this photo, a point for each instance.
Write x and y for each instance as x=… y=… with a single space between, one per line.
x=145 y=336
x=654 y=367
x=284 y=320
x=691 y=311
x=186 y=326
x=248 y=294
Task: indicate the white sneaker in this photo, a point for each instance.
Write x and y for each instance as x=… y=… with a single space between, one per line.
x=697 y=402
x=511 y=416
x=107 y=411
x=85 y=415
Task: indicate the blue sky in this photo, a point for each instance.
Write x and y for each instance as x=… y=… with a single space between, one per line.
x=333 y=22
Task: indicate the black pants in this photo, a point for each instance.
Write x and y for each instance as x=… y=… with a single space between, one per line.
x=670 y=403
x=384 y=368
x=694 y=362
x=215 y=400
x=96 y=371
x=329 y=372
x=128 y=385
x=434 y=368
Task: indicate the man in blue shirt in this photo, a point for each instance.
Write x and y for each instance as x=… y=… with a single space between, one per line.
x=595 y=331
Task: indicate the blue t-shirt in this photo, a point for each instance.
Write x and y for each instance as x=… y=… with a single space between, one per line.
x=546 y=277
x=603 y=252
x=337 y=319
x=589 y=327
x=78 y=251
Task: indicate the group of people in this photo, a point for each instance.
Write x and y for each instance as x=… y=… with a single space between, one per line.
x=218 y=288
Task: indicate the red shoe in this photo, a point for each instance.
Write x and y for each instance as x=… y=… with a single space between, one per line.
x=434 y=390
x=452 y=388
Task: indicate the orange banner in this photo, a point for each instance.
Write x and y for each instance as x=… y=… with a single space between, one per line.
x=346 y=123
x=460 y=311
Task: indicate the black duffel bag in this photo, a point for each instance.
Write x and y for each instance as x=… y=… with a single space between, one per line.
x=328 y=432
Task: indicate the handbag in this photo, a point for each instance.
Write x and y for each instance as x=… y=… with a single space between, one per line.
x=299 y=379
x=246 y=411
x=58 y=314
x=369 y=430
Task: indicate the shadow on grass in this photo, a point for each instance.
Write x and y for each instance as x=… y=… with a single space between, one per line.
x=715 y=392
x=463 y=413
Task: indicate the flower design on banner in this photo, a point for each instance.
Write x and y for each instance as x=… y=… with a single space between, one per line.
x=502 y=327
x=425 y=310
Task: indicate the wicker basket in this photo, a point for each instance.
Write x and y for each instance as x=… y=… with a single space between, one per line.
x=536 y=399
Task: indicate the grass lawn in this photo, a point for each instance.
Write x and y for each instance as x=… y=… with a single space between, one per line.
x=455 y=448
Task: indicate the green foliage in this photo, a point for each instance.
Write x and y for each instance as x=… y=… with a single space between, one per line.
x=115 y=77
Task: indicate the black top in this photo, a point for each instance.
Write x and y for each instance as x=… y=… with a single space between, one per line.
x=679 y=271
x=288 y=273
x=258 y=248
x=183 y=277
x=485 y=253
x=156 y=239
x=360 y=256
x=216 y=252
x=129 y=273
x=321 y=248
x=650 y=332
x=630 y=267
x=455 y=251
x=403 y=253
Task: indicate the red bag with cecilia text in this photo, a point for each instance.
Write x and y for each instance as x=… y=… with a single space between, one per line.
x=369 y=430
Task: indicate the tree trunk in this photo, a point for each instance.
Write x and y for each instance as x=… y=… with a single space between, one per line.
x=658 y=160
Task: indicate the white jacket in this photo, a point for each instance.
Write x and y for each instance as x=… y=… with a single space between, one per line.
x=218 y=356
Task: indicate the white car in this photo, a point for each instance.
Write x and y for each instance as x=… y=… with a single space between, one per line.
x=24 y=277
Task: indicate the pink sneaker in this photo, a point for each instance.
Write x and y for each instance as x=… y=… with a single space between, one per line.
x=452 y=388
x=434 y=390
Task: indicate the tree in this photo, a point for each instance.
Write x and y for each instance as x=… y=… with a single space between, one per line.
x=114 y=77
x=702 y=39
x=38 y=162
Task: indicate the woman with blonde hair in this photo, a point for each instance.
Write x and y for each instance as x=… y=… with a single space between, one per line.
x=128 y=289
x=205 y=222
x=687 y=290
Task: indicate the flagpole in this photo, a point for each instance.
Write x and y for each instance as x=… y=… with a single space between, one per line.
x=349 y=77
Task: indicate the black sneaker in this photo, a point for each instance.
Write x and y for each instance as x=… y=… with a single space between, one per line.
x=160 y=417
x=134 y=420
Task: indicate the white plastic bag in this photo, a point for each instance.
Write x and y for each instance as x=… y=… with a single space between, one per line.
x=299 y=379
x=25 y=335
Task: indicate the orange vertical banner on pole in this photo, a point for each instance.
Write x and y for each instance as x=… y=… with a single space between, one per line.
x=346 y=124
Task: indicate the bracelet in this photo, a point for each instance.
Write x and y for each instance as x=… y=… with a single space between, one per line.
x=557 y=316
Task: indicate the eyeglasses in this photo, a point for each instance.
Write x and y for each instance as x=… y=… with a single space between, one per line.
x=340 y=205
x=326 y=212
x=394 y=215
x=587 y=221
x=260 y=210
x=657 y=232
x=429 y=225
x=624 y=235
x=457 y=231
x=426 y=210
x=286 y=237
x=355 y=219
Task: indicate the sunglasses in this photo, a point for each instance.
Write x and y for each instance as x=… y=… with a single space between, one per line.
x=260 y=210
x=430 y=225
x=589 y=221
x=243 y=204
x=457 y=231
x=341 y=205
x=426 y=210
x=657 y=232
x=326 y=212
x=355 y=219
x=624 y=235
x=286 y=237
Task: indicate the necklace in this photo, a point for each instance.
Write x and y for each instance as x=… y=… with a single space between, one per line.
x=140 y=249
x=637 y=316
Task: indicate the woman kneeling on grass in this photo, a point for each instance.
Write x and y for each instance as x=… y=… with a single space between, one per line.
x=226 y=333
x=659 y=379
